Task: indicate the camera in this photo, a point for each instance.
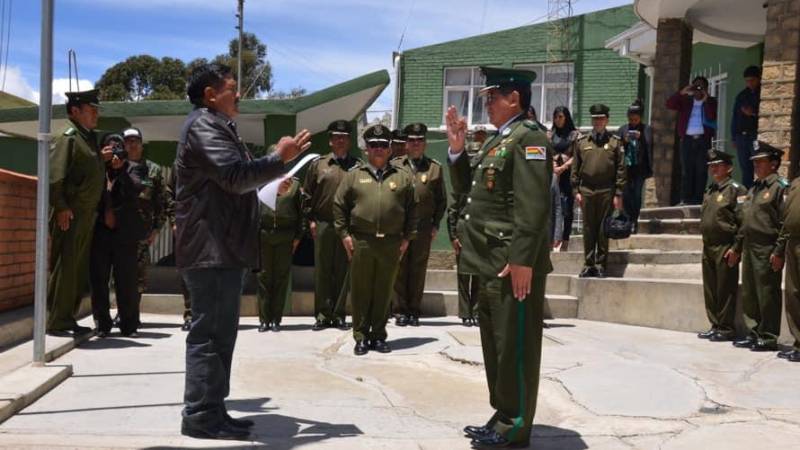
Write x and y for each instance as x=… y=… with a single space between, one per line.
x=119 y=151
x=118 y=146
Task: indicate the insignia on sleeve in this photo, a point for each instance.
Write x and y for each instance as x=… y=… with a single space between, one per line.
x=535 y=153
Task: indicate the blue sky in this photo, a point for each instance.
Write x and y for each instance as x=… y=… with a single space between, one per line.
x=311 y=43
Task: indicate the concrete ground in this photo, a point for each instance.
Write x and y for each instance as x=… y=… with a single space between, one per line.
x=604 y=386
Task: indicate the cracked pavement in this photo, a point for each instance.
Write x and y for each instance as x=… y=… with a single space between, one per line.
x=604 y=386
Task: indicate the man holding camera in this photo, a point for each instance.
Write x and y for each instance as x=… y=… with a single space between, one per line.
x=76 y=185
x=117 y=233
x=697 y=115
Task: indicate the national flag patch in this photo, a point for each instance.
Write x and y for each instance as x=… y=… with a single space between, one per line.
x=535 y=153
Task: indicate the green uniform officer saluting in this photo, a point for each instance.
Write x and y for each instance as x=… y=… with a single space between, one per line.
x=598 y=178
x=719 y=225
x=375 y=215
x=763 y=251
x=430 y=190
x=331 y=266
x=77 y=177
x=791 y=230
x=504 y=232
x=281 y=231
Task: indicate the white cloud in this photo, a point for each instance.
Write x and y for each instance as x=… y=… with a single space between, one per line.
x=18 y=85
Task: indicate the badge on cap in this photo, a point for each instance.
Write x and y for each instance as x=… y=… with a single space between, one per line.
x=378 y=131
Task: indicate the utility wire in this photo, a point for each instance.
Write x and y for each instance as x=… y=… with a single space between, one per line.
x=483 y=15
x=8 y=44
x=405 y=27
x=2 y=31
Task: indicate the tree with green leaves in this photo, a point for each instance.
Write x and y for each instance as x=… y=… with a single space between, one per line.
x=144 y=77
x=256 y=70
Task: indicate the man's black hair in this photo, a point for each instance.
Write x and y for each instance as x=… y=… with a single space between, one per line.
x=208 y=75
x=524 y=94
x=701 y=79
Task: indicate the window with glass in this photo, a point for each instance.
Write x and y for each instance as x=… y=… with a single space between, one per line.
x=553 y=87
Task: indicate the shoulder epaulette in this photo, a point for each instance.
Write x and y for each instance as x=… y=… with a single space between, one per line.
x=70 y=131
x=436 y=162
x=783 y=182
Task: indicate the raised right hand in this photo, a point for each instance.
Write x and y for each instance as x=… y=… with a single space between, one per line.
x=63 y=219
x=289 y=148
x=456 y=130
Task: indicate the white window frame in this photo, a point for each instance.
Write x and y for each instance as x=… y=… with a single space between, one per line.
x=470 y=89
x=714 y=84
x=546 y=117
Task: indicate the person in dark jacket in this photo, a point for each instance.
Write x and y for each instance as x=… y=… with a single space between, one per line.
x=637 y=139
x=697 y=116
x=563 y=135
x=744 y=122
x=217 y=218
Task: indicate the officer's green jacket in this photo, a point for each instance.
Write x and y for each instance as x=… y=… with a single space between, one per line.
x=154 y=200
x=77 y=172
x=721 y=214
x=791 y=215
x=322 y=180
x=429 y=185
x=453 y=213
x=506 y=218
x=598 y=166
x=762 y=212
x=382 y=208
x=286 y=222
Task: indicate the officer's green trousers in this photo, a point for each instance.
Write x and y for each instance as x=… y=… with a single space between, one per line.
x=274 y=278
x=720 y=283
x=793 y=289
x=761 y=292
x=69 y=269
x=372 y=274
x=468 y=286
x=596 y=207
x=511 y=337
x=330 y=274
x=410 y=284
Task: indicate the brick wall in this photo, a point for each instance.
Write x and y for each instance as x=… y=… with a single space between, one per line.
x=17 y=239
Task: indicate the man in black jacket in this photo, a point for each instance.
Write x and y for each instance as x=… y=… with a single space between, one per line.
x=217 y=219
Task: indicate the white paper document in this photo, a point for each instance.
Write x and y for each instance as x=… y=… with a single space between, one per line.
x=268 y=194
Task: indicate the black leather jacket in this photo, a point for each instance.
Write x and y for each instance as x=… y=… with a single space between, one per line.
x=216 y=207
x=122 y=199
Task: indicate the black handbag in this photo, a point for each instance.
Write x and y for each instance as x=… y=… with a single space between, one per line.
x=618 y=225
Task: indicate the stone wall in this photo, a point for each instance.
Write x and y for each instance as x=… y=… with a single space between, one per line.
x=779 y=92
x=17 y=239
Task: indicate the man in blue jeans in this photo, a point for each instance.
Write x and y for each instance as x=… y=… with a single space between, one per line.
x=744 y=122
x=217 y=218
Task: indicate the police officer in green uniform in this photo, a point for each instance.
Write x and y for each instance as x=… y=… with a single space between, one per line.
x=719 y=225
x=504 y=231
x=153 y=199
x=791 y=231
x=375 y=216
x=763 y=251
x=398 y=144
x=331 y=272
x=281 y=231
x=598 y=178
x=430 y=190
x=77 y=181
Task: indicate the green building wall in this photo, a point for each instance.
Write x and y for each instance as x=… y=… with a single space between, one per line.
x=600 y=74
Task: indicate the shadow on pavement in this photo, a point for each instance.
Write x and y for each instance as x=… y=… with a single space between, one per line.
x=546 y=437
x=410 y=342
x=161 y=325
x=423 y=323
x=152 y=335
x=110 y=342
x=559 y=325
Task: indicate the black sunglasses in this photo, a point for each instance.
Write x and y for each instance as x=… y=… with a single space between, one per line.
x=381 y=145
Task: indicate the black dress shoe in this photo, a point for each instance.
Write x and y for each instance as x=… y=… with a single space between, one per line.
x=706 y=334
x=476 y=432
x=784 y=354
x=187 y=325
x=78 y=330
x=319 y=325
x=587 y=272
x=59 y=333
x=721 y=336
x=475 y=321
x=341 y=324
x=401 y=321
x=495 y=440
x=360 y=348
x=545 y=325
x=239 y=423
x=764 y=346
x=102 y=334
x=599 y=272
x=380 y=346
x=223 y=432
x=745 y=343
x=263 y=327
x=275 y=327
x=413 y=321
x=467 y=322
x=795 y=356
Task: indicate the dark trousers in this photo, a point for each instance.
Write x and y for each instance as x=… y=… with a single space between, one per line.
x=111 y=253
x=761 y=292
x=597 y=205
x=216 y=295
x=409 y=286
x=568 y=209
x=720 y=285
x=468 y=286
x=331 y=276
x=373 y=271
x=694 y=171
x=744 y=150
x=632 y=197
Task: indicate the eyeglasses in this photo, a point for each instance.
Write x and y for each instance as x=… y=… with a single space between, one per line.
x=378 y=145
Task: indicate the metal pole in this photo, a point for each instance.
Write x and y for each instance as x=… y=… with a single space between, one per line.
x=42 y=183
x=240 y=15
